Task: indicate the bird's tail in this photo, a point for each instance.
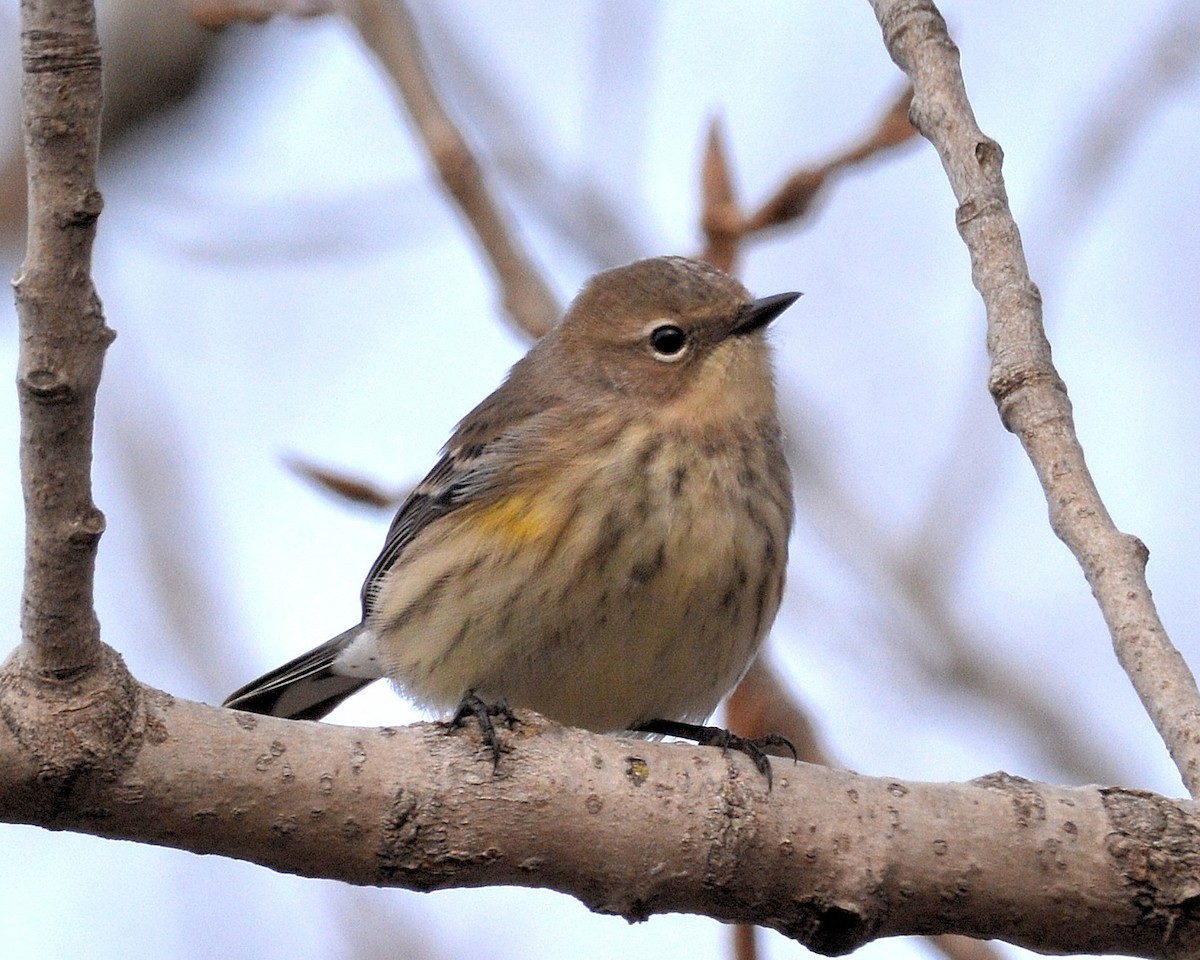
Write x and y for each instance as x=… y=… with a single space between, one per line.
x=306 y=688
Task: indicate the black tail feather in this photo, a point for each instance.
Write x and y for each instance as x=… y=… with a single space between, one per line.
x=305 y=688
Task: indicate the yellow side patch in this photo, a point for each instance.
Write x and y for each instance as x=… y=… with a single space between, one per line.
x=518 y=518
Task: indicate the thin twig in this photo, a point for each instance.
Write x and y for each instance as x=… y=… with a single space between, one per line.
x=580 y=208
x=795 y=197
x=1030 y=395
x=745 y=942
x=957 y=947
x=726 y=227
x=387 y=28
x=721 y=219
x=63 y=334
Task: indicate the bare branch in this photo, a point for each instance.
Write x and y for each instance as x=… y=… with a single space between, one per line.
x=795 y=198
x=724 y=225
x=63 y=334
x=892 y=129
x=830 y=858
x=387 y=28
x=580 y=209
x=1031 y=397
x=760 y=705
x=745 y=942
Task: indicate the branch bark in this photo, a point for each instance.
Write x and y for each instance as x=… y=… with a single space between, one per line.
x=1029 y=393
x=828 y=857
x=63 y=334
x=761 y=705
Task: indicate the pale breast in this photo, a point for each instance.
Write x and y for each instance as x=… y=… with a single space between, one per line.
x=627 y=588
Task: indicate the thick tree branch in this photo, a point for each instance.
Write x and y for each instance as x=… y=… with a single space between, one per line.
x=63 y=335
x=761 y=704
x=1031 y=397
x=828 y=857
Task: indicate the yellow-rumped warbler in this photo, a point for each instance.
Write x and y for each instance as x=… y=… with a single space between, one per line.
x=604 y=538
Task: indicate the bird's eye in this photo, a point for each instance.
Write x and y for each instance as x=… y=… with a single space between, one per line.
x=668 y=342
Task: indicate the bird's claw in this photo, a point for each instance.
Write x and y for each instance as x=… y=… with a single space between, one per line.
x=753 y=747
x=483 y=712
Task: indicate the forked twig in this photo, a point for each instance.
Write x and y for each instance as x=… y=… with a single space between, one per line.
x=726 y=228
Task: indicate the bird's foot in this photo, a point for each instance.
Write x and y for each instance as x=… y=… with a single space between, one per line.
x=472 y=705
x=753 y=747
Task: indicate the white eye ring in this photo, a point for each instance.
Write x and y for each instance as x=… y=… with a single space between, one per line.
x=668 y=341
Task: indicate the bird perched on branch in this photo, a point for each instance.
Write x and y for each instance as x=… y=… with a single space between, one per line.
x=604 y=538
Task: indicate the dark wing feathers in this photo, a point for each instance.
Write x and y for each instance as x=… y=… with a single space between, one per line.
x=465 y=474
x=479 y=458
x=478 y=462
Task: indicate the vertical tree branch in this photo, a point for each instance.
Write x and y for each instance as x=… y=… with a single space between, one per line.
x=1031 y=397
x=63 y=334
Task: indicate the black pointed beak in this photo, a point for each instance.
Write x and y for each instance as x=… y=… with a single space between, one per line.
x=758 y=313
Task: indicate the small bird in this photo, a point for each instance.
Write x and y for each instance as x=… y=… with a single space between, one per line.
x=604 y=538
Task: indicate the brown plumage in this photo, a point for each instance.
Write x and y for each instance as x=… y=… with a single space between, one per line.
x=604 y=538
